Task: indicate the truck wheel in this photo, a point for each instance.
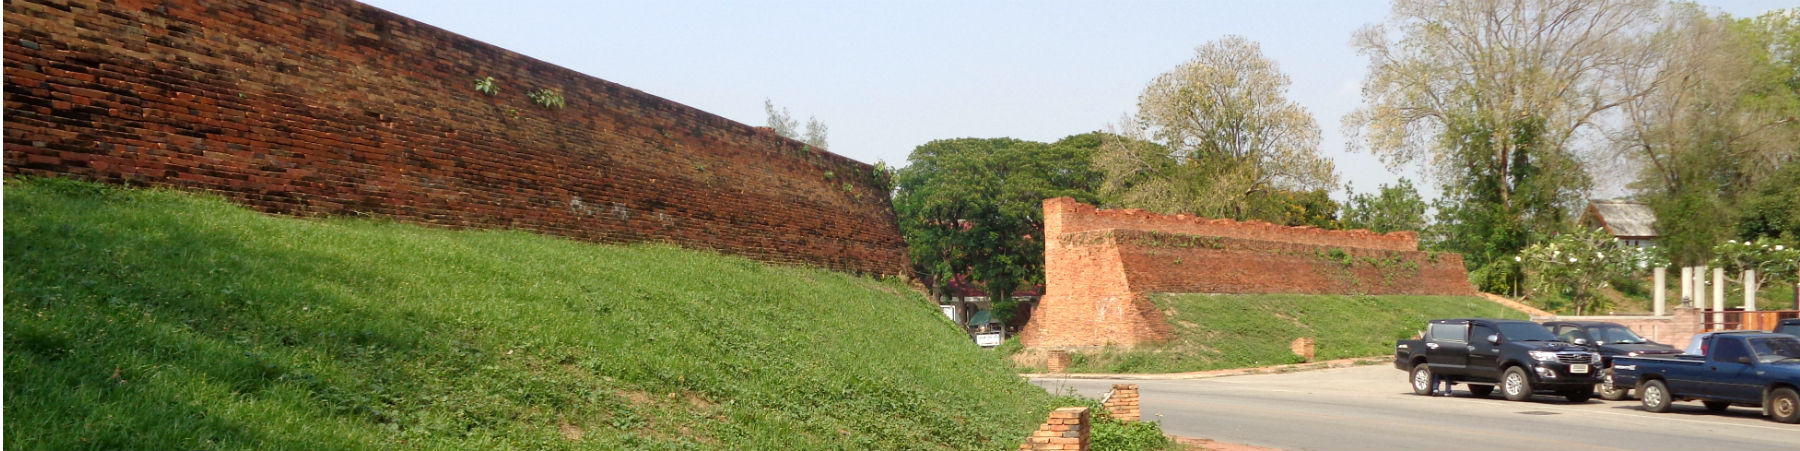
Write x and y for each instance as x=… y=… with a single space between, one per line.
x=1655 y=395
x=1716 y=406
x=1784 y=405
x=1579 y=396
x=1608 y=391
x=1481 y=391
x=1516 y=385
x=1421 y=379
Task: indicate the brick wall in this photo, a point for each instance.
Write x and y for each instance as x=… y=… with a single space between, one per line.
x=1122 y=402
x=1099 y=265
x=1676 y=329
x=331 y=107
x=1067 y=429
x=1079 y=217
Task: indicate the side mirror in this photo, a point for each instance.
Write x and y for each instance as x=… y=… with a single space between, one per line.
x=1580 y=342
x=1494 y=339
x=1744 y=359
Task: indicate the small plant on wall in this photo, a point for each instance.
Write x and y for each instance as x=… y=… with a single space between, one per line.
x=486 y=85
x=549 y=98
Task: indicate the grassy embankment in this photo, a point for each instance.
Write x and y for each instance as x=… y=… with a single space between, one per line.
x=160 y=320
x=1238 y=331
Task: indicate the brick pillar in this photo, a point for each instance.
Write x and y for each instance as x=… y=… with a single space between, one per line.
x=1059 y=361
x=1122 y=403
x=1303 y=347
x=1066 y=430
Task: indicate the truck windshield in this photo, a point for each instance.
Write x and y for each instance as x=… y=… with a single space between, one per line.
x=1525 y=332
x=1613 y=335
x=1769 y=350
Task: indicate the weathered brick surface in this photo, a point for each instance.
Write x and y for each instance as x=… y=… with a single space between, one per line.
x=1100 y=265
x=1122 y=402
x=1068 y=428
x=331 y=107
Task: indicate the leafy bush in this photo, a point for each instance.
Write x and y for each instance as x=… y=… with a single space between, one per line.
x=1112 y=434
x=1499 y=276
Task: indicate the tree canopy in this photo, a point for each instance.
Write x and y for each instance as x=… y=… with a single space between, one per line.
x=974 y=207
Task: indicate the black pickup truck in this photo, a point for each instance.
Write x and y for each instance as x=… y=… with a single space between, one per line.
x=1612 y=340
x=1757 y=369
x=1522 y=357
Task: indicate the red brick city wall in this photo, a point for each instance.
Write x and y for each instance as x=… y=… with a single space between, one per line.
x=1079 y=217
x=331 y=107
x=1097 y=279
x=1158 y=263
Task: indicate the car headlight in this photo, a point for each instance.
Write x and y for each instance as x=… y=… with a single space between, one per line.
x=1633 y=354
x=1543 y=356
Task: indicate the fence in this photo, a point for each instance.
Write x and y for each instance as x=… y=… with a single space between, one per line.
x=1741 y=320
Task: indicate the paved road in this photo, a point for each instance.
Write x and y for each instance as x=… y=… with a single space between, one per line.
x=1372 y=407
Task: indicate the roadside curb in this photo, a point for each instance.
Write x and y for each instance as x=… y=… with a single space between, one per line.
x=1340 y=363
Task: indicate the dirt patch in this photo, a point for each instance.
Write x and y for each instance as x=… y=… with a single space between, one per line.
x=1031 y=358
x=638 y=398
x=570 y=431
x=1201 y=444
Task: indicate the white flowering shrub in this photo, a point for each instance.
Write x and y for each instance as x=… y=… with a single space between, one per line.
x=1773 y=260
x=1568 y=271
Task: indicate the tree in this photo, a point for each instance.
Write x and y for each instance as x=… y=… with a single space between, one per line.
x=1211 y=135
x=1717 y=120
x=1391 y=208
x=784 y=124
x=1773 y=259
x=1489 y=96
x=974 y=207
x=1774 y=210
x=1574 y=266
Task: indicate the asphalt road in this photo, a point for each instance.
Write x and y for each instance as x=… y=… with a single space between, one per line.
x=1372 y=407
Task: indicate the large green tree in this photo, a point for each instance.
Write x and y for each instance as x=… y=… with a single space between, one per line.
x=1217 y=137
x=1717 y=121
x=1390 y=208
x=974 y=207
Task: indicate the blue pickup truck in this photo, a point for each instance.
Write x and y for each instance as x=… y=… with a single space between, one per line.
x=1756 y=369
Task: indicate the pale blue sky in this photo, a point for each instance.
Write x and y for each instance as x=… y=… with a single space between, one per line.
x=887 y=76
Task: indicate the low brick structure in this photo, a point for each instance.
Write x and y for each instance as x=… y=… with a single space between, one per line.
x=1304 y=348
x=1100 y=265
x=1122 y=402
x=1066 y=429
x=1674 y=330
x=1058 y=361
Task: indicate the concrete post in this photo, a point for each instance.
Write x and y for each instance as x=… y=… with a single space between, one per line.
x=1749 y=290
x=1700 y=286
x=1662 y=295
x=1718 y=297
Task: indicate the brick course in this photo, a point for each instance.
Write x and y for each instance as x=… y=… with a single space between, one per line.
x=331 y=107
x=1100 y=265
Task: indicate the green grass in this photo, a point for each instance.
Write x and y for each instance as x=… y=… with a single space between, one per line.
x=161 y=320
x=1242 y=331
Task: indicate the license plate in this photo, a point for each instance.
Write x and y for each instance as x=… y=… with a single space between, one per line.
x=1579 y=368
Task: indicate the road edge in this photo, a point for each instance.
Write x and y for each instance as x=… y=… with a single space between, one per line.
x=1329 y=364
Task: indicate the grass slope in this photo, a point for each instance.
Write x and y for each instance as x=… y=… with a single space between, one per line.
x=154 y=319
x=1238 y=331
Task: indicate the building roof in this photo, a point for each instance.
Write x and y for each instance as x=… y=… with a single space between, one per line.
x=1624 y=218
